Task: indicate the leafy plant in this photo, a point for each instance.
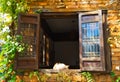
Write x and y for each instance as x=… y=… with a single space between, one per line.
x=112 y=74
x=88 y=76
x=118 y=79
x=13 y=8
x=11 y=43
x=41 y=77
x=114 y=77
x=35 y=73
x=7 y=56
x=63 y=77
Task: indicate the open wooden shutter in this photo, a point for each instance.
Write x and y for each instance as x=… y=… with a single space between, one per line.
x=91 y=41
x=29 y=27
x=46 y=45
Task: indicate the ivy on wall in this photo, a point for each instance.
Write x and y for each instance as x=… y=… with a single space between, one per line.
x=10 y=42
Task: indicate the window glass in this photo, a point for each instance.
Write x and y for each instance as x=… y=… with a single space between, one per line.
x=90 y=39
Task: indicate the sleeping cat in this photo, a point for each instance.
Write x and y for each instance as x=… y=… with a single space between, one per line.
x=60 y=66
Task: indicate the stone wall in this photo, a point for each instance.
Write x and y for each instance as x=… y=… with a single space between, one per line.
x=72 y=5
x=84 y=5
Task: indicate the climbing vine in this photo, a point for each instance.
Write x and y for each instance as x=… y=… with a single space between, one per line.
x=10 y=42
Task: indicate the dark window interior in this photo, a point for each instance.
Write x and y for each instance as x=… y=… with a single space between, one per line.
x=63 y=30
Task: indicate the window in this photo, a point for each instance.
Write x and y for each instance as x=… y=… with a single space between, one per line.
x=78 y=39
x=94 y=51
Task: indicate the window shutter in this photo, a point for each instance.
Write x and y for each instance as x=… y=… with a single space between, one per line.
x=44 y=51
x=29 y=27
x=46 y=46
x=92 y=41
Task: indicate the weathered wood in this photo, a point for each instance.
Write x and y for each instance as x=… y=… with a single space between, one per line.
x=103 y=61
x=29 y=27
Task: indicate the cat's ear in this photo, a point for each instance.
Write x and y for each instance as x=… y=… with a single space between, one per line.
x=67 y=66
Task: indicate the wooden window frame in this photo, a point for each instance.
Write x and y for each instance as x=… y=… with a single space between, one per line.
x=105 y=58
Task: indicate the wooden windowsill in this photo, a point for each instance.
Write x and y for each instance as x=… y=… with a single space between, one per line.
x=57 y=71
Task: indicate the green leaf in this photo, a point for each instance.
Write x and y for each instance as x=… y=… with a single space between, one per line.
x=112 y=74
x=21 y=80
x=31 y=74
x=118 y=79
x=18 y=37
x=10 y=70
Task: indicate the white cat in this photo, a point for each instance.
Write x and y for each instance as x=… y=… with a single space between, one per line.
x=60 y=66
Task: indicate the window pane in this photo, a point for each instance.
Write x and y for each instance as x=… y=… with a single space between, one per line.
x=90 y=39
x=29 y=37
